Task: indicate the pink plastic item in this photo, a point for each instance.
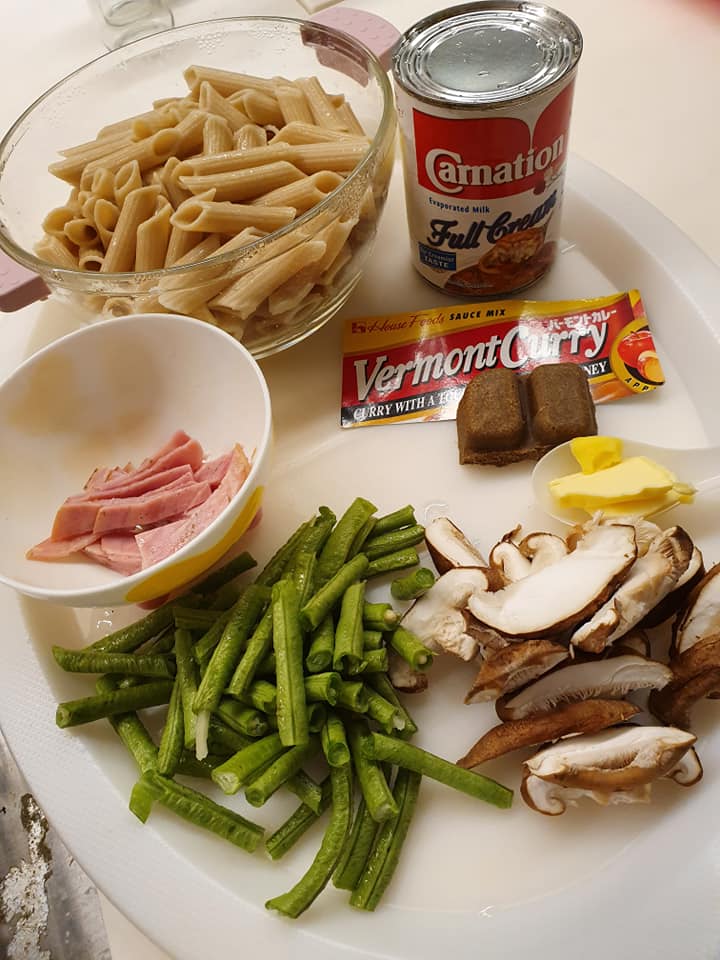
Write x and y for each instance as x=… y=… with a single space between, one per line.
x=377 y=34
x=18 y=286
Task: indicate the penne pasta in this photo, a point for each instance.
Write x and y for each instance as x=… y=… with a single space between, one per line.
x=293 y=105
x=217 y=135
x=248 y=136
x=80 y=231
x=261 y=108
x=91 y=257
x=226 y=81
x=341 y=157
x=302 y=194
x=335 y=236
x=105 y=216
x=157 y=120
x=209 y=216
x=291 y=294
x=347 y=117
x=297 y=132
x=102 y=184
x=212 y=102
x=180 y=242
x=55 y=251
x=168 y=177
x=190 y=131
x=127 y=179
x=321 y=106
x=54 y=222
x=138 y=206
x=95 y=148
x=148 y=153
x=152 y=238
x=244 y=184
x=239 y=159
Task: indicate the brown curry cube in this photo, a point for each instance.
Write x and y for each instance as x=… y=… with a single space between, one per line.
x=490 y=415
x=560 y=405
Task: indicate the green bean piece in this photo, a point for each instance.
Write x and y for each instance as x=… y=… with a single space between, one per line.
x=314 y=881
x=173 y=735
x=297 y=824
x=238 y=769
x=187 y=676
x=317 y=714
x=393 y=561
x=379 y=747
x=413 y=585
x=353 y=696
x=286 y=766
x=373 y=640
x=411 y=649
x=375 y=790
x=379 y=616
x=385 y=855
x=223 y=739
x=187 y=618
x=225 y=658
x=322 y=643
x=280 y=561
x=324 y=687
x=334 y=741
x=384 y=712
x=393 y=541
x=332 y=591
x=404 y=517
x=131 y=730
x=374 y=661
x=302 y=572
x=197 y=809
x=262 y=695
x=267 y=666
x=227 y=596
x=85 y=710
x=292 y=712
x=305 y=789
x=365 y=531
x=257 y=649
x=348 y=651
x=356 y=850
x=190 y=766
x=253 y=723
x=225 y=574
x=161 y=644
x=380 y=682
x=138 y=665
x=209 y=640
x=337 y=547
x=130 y=638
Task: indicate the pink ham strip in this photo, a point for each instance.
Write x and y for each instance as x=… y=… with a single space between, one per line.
x=76 y=517
x=60 y=549
x=162 y=542
x=190 y=453
x=152 y=508
x=118 y=552
x=134 y=488
x=213 y=471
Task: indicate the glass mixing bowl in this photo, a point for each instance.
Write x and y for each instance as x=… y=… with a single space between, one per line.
x=270 y=288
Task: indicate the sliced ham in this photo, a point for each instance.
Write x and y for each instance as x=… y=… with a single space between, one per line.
x=60 y=549
x=189 y=452
x=162 y=542
x=135 y=488
x=118 y=551
x=128 y=512
x=213 y=471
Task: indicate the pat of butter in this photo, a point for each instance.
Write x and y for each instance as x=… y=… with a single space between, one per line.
x=596 y=453
x=634 y=479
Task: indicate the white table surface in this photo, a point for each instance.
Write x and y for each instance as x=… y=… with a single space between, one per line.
x=645 y=111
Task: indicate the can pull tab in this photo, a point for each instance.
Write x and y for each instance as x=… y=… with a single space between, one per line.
x=376 y=33
x=18 y=286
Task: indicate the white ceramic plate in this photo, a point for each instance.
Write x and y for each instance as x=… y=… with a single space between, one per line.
x=473 y=881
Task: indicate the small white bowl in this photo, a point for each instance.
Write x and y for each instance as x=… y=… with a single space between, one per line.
x=108 y=394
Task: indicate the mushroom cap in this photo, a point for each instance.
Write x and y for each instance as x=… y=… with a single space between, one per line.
x=403 y=677
x=552 y=799
x=688 y=770
x=449 y=547
x=588 y=716
x=678 y=597
x=620 y=758
x=513 y=666
x=701 y=616
x=610 y=678
x=542 y=549
x=673 y=704
x=563 y=594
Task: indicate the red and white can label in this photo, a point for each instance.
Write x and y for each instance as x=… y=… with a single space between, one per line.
x=484 y=189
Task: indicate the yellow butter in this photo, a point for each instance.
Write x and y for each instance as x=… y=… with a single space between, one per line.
x=636 y=478
x=641 y=508
x=596 y=453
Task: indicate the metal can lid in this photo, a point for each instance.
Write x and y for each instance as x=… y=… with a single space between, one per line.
x=486 y=52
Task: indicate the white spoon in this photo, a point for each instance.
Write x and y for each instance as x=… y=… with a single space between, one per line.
x=699 y=466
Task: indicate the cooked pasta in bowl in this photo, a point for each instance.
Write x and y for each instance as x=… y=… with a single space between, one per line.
x=184 y=174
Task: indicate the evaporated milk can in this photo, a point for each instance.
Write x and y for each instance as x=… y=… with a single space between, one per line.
x=484 y=96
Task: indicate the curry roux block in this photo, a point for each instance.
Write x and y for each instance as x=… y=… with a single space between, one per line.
x=490 y=419
x=504 y=417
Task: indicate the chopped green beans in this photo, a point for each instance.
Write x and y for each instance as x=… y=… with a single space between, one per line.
x=337 y=548
x=404 y=517
x=323 y=686
x=348 y=651
x=257 y=649
x=352 y=696
x=262 y=695
x=411 y=649
x=131 y=730
x=374 y=661
x=223 y=739
x=414 y=585
x=135 y=664
x=173 y=735
x=322 y=643
x=356 y=850
x=225 y=574
x=375 y=790
x=247 y=720
x=74 y=712
x=334 y=742
x=302 y=572
x=297 y=824
x=284 y=767
x=379 y=616
x=386 y=543
x=379 y=747
x=380 y=866
x=288 y=646
x=373 y=640
x=384 y=712
x=238 y=769
x=393 y=561
x=361 y=536
x=305 y=789
x=130 y=638
x=317 y=714
x=381 y=684
x=302 y=895
x=208 y=642
x=322 y=602
x=280 y=561
x=188 y=618
x=187 y=676
x=196 y=808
